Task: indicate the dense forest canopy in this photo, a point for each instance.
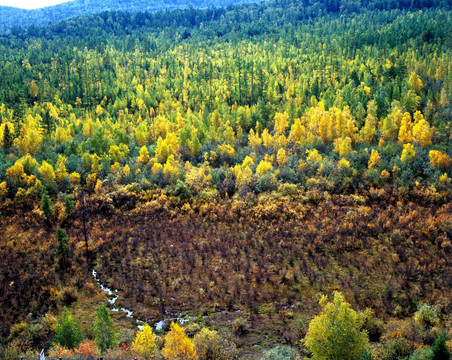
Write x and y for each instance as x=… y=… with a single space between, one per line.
x=247 y=97
x=170 y=150
x=13 y=18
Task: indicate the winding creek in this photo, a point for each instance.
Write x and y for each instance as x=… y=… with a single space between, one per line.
x=158 y=326
x=113 y=296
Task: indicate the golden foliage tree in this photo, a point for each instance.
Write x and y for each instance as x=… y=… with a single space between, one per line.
x=374 y=160
x=31 y=138
x=336 y=333
x=440 y=159
x=406 y=129
x=313 y=155
x=408 y=152
x=61 y=172
x=369 y=130
x=178 y=346
x=254 y=140
x=343 y=146
x=415 y=82
x=46 y=171
x=297 y=132
x=264 y=167
x=422 y=132
x=144 y=343
x=144 y=155
x=16 y=171
x=281 y=157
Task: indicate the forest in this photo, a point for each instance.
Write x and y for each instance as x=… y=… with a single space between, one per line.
x=247 y=175
x=13 y=19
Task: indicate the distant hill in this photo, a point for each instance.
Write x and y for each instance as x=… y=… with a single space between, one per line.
x=12 y=18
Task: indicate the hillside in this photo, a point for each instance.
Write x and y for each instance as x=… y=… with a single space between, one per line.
x=14 y=18
x=205 y=259
x=230 y=165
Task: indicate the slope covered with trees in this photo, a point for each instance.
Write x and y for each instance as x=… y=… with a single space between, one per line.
x=243 y=160
x=239 y=103
x=12 y=19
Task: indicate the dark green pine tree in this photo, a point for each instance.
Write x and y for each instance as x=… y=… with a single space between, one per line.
x=47 y=123
x=68 y=205
x=46 y=206
x=19 y=113
x=439 y=348
x=62 y=247
x=7 y=137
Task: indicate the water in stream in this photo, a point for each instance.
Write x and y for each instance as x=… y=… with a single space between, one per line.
x=112 y=297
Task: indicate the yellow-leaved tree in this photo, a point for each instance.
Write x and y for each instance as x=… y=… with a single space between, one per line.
x=254 y=140
x=3 y=190
x=144 y=343
x=369 y=130
x=343 y=146
x=282 y=158
x=264 y=166
x=178 y=346
x=408 y=152
x=297 y=132
x=29 y=141
x=144 y=155
x=422 y=132
x=337 y=332
x=440 y=159
x=415 y=82
x=406 y=129
x=46 y=171
x=16 y=171
x=374 y=160
x=61 y=172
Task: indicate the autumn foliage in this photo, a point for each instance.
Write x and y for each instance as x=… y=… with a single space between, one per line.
x=231 y=164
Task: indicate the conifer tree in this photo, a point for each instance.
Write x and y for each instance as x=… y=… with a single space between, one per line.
x=62 y=247
x=46 y=206
x=7 y=138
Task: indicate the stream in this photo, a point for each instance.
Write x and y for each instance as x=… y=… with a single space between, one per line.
x=113 y=296
x=158 y=326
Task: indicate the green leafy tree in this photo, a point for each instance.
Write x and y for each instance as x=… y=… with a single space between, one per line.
x=105 y=332
x=209 y=344
x=280 y=353
x=336 y=333
x=427 y=316
x=68 y=332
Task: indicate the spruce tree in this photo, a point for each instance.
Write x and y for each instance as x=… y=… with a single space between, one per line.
x=46 y=206
x=62 y=247
x=7 y=138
